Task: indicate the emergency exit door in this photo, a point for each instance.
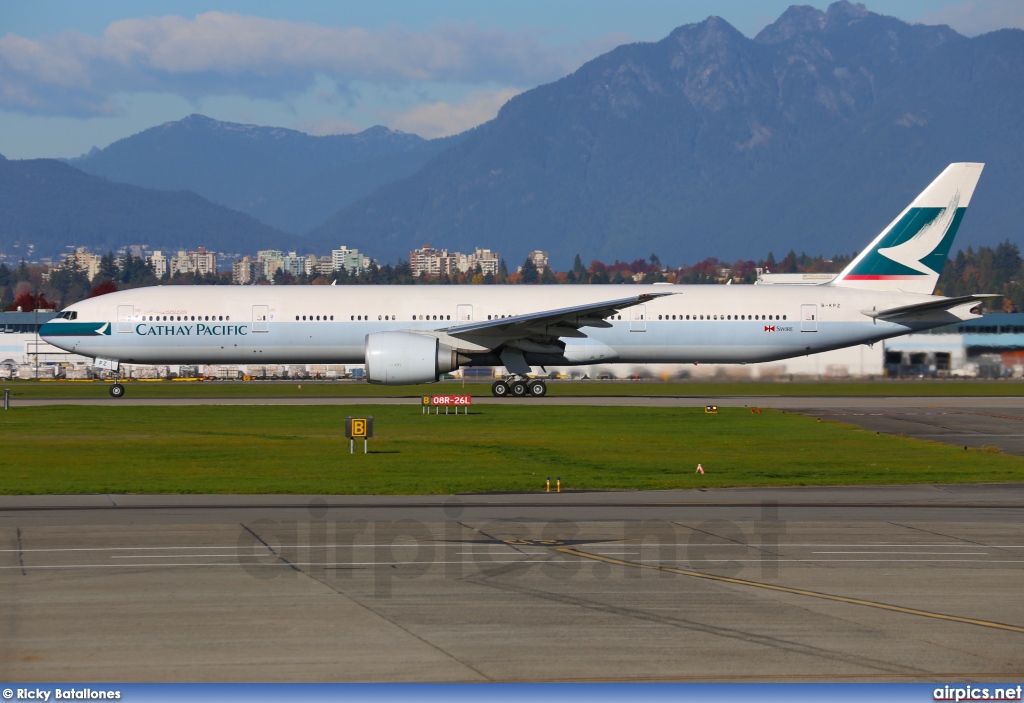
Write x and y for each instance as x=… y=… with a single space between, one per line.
x=809 y=318
x=638 y=318
x=260 y=317
x=125 y=318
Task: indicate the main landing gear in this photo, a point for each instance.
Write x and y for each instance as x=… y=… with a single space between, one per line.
x=116 y=390
x=519 y=387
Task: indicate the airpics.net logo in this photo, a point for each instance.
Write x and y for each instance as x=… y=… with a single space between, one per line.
x=389 y=552
x=977 y=693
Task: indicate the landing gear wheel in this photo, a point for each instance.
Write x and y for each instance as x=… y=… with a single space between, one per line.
x=116 y=390
x=499 y=389
x=537 y=388
x=518 y=389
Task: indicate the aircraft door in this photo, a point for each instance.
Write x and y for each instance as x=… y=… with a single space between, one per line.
x=260 y=317
x=809 y=318
x=125 y=318
x=638 y=318
x=464 y=313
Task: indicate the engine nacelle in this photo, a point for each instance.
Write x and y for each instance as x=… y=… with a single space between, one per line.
x=399 y=358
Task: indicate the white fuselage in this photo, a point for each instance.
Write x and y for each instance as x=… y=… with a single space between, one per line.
x=329 y=324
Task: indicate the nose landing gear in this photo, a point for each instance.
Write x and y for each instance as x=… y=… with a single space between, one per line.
x=519 y=387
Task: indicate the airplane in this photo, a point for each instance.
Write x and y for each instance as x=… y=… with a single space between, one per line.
x=409 y=335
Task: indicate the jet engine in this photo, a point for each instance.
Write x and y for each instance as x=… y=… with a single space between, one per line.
x=398 y=358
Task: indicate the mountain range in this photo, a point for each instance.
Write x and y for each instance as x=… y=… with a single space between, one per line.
x=282 y=177
x=811 y=136
x=52 y=206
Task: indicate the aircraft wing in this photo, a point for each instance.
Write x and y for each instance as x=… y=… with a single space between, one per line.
x=938 y=305
x=548 y=325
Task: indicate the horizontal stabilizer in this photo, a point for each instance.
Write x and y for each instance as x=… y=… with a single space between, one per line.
x=937 y=305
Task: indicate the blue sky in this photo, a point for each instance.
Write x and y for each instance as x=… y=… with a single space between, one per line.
x=74 y=75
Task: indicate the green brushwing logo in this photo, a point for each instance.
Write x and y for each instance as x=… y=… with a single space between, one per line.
x=917 y=245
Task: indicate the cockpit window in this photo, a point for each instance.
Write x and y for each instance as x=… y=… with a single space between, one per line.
x=68 y=315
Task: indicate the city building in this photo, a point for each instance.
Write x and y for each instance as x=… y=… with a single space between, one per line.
x=84 y=261
x=349 y=259
x=243 y=271
x=181 y=263
x=427 y=261
x=204 y=262
x=539 y=259
x=294 y=264
x=159 y=263
x=269 y=262
x=319 y=265
x=487 y=260
x=200 y=262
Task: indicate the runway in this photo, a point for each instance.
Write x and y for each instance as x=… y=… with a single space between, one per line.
x=839 y=584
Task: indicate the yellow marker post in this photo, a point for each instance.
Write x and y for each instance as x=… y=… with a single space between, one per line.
x=547 y=487
x=558 y=485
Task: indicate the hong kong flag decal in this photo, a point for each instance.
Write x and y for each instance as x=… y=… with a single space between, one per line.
x=769 y=328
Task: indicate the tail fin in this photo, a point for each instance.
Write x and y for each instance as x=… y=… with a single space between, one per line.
x=909 y=254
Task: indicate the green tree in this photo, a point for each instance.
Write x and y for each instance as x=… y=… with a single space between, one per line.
x=108 y=270
x=68 y=285
x=529 y=272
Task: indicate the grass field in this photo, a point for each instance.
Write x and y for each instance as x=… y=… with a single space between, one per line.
x=278 y=389
x=301 y=449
